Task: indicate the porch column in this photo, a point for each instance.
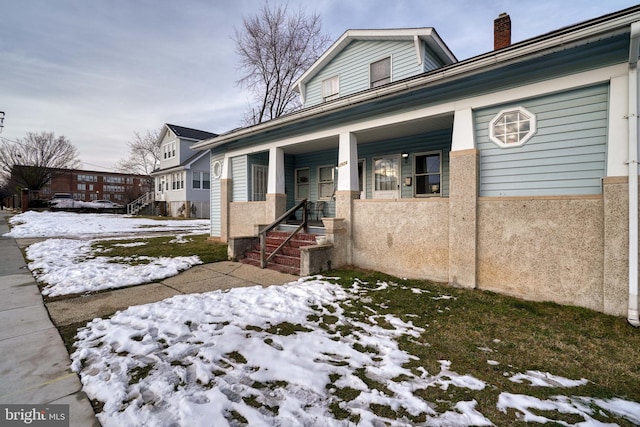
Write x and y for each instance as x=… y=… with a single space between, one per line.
x=276 y=197
x=463 y=202
x=615 y=192
x=348 y=163
x=347 y=190
x=226 y=195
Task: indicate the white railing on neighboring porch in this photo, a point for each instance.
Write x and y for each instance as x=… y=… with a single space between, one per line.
x=140 y=203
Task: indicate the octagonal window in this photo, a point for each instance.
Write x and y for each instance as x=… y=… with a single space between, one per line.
x=512 y=128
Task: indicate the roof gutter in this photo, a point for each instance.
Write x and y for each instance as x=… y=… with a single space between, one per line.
x=634 y=52
x=540 y=46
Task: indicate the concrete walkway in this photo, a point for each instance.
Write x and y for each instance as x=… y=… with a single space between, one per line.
x=34 y=367
x=201 y=278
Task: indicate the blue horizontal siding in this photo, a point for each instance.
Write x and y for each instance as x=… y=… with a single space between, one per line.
x=566 y=155
x=352 y=66
x=433 y=141
x=313 y=161
x=239 y=178
x=216 y=207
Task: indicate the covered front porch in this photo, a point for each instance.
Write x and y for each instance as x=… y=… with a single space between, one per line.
x=380 y=185
x=408 y=160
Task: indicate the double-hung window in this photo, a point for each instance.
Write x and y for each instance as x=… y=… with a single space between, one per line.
x=330 y=88
x=169 y=150
x=201 y=180
x=380 y=72
x=302 y=184
x=428 y=174
x=177 y=181
x=325 y=182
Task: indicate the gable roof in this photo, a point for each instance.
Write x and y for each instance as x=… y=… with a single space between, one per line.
x=584 y=33
x=426 y=34
x=182 y=166
x=189 y=133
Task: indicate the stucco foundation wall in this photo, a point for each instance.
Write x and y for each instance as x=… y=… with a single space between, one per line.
x=546 y=249
x=405 y=238
x=244 y=216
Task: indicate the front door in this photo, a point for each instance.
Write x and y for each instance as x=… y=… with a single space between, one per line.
x=386 y=177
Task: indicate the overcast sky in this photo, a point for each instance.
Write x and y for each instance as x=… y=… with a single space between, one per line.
x=96 y=71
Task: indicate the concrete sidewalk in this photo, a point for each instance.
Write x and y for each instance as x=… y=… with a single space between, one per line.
x=201 y=278
x=35 y=365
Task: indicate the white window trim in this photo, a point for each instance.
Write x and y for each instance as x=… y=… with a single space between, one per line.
x=333 y=180
x=415 y=186
x=255 y=168
x=334 y=95
x=532 y=127
x=363 y=190
x=295 y=177
x=390 y=57
x=169 y=150
x=201 y=180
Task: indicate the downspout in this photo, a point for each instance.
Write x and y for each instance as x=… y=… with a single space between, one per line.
x=633 y=315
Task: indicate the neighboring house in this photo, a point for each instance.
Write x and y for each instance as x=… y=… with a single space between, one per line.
x=506 y=172
x=182 y=182
x=88 y=185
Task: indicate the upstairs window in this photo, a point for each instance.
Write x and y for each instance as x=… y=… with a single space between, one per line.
x=380 y=72
x=330 y=88
x=512 y=128
x=169 y=150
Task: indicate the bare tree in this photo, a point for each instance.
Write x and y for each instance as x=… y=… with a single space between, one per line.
x=275 y=48
x=144 y=154
x=30 y=162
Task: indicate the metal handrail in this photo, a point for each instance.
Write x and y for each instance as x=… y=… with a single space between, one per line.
x=263 y=232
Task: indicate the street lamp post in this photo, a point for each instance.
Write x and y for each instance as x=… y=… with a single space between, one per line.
x=1 y=120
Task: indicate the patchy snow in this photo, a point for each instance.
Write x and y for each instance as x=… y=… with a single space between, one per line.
x=207 y=356
x=545 y=379
x=284 y=355
x=68 y=224
x=69 y=266
x=582 y=406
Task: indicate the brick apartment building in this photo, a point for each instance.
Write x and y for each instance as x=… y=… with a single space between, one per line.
x=94 y=185
x=89 y=185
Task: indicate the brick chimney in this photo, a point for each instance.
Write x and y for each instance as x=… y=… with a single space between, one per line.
x=501 y=31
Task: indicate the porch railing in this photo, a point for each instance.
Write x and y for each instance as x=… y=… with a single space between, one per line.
x=140 y=203
x=263 y=233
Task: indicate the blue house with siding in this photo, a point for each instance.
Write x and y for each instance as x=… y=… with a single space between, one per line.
x=508 y=171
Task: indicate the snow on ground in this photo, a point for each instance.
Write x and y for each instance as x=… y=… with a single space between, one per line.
x=223 y=357
x=69 y=266
x=69 y=224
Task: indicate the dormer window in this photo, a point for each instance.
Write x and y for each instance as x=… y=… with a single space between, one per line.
x=330 y=88
x=380 y=72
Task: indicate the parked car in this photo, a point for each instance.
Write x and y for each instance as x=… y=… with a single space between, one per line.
x=107 y=204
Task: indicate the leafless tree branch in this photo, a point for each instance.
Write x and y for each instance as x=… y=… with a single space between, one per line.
x=275 y=47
